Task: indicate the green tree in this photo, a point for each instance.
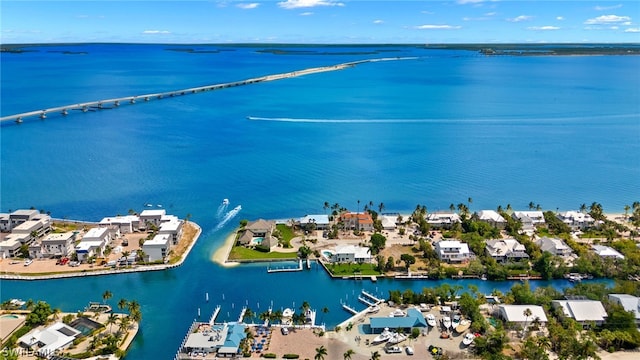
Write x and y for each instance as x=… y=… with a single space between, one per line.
x=378 y=242
x=408 y=260
x=321 y=351
x=375 y=355
x=106 y=295
x=347 y=354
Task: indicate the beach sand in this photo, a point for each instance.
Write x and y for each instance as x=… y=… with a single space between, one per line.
x=222 y=253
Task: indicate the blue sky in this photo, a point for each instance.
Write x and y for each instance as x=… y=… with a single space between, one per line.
x=320 y=21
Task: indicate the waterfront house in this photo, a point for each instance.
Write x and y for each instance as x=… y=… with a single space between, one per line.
x=515 y=314
x=48 y=341
x=361 y=221
x=607 y=252
x=321 y=221
x=414 y=319
x=351 y=254
x=157 y=248
x=5 y=224
x=529 y=220
x=93 y=243
x=173 y=229
x=388 y=222
x=585 y=312
x=259 y=233
x=629 y=303
x=33 y=229
x=442 y=220
x=151 y=218
x=453 y=251
x=576 y=220
x=19 y=216
x=10 y=246
x=58 y=244
x=125 y=224
x=555 y=247
x=503 y=250
x=492 y=218
x=224 y=340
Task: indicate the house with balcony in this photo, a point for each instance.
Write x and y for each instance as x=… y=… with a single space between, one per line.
x=19 y=216
x=607 y=252
x=453 y=251
x=10 y=246
x=361 y=221
x=33 y=229
x=629 y=303
x=529 y=220
x=585 y=312
x=442 y=220
x=124 y=224
x=151 y=218
x=505 y=250
x=321 y=222
x=576 y=220
x=173 y=229
x=515 y=314
x=555 y=247
x=492 y=218
x=258 y=233
x=94 y=242
x=351 y=254
x=157 y=248
x=58 y=244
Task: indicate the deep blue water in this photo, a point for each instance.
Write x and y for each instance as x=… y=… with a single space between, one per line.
x=558 y=131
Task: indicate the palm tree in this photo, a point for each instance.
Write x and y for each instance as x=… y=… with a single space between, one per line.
x=452 y=207
x=112 y=319
x=469 y=201
x=248 y=314
x=321 y=352
x=325 y=206
x=56 y=313
x=305 y=306
x=106 y=295
x=375 y=355
x=347 y=354
x=324 y=311
x=124 y=323
x=532 y=205
x=358 y=205
x=509 y=208
x=626 y=211
x=381 y=207
x=527 y=312
x=264 y=316
x=122 y=304
x=94 y=343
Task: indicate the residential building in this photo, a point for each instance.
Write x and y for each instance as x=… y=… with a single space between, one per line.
x=49 y=341
x=629 y=303
x=607 y=252
x=388 y=221
x=414 y=319
x=223 y=339
x=362 y=221
x=554 y=246
x=157 y=248
x=492 y=218
x=5 y=224
x=503 y=250
x=124 y=224
x=584 y=312
x=515 y=314
x=19 y=216
x=321 y=221
x=33 y=229
x=173 y=229
x=351 y=254
x=529 y=220
x=442 y=220
x=259 y=232
x=10 y=246
x=151 y=218
x=576 y=220
x=93 y=243
x=452 y=251
x=58 y=244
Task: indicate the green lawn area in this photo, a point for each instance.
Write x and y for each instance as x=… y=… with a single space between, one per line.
x=352 y=269
x=243 y=253
x=286 y=232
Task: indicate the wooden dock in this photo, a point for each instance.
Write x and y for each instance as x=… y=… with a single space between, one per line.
x=113 y=103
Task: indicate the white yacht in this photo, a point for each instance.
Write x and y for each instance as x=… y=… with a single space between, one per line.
x=446 y=322
x=468 y=339
x=225 y=202
x=397 y=338
x=397 y=313
x=384 y=336
x=431 y=320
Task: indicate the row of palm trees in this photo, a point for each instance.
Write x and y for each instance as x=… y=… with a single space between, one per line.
x=337 y=208
x=321 y=352
x=276 y=316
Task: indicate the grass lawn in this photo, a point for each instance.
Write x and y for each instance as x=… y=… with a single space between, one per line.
x=352 y=269
x=286 y=232
x=243 y=253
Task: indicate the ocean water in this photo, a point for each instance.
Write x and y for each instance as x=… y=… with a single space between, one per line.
x=434 y=130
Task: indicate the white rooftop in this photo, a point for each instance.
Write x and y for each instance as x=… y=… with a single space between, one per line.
x=628 y=302
x=318 y=219
x=582 y=310
x=58 y=236
x=54 y=337
x=605 y=251
x=96 y=232
x=490 y=215
x=27 y=226
x=120 y=219
x=152 y=213
x=515 y=313
x=170 y=226
x=161 y=239
x=359 y=251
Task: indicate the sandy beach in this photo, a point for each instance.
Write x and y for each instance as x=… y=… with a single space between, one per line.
x=222 y=253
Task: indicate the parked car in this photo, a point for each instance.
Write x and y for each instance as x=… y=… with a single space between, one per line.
x=393 y=349
x=408 y=350
x=28 y=262
x=284 y=331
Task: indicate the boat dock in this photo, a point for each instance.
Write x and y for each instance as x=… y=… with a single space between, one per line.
x=244 y=309
x=349 y=309
x=370 y=296
x=287 y=269
x=214 y=315
x=365 y=301
x=113 y=103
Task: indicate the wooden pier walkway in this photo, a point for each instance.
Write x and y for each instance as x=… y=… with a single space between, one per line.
x=117 y=102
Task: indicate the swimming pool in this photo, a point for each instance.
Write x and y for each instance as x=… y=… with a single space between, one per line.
x=257 y=240
x=328 y=254
x=85 y=325
x=10 y=316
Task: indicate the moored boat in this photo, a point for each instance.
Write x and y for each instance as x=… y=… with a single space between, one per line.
x=468 y=339
x=397 y=338
x=463 y=326
x=431 y=320
x=383 y=337
x=373 y=309
x=397 y=313
x=456 y=320
x=446 y=322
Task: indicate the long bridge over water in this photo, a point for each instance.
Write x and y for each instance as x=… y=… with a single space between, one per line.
x=116 y=102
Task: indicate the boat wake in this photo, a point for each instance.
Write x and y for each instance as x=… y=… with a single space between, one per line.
x=222 y=208
x=227 y=217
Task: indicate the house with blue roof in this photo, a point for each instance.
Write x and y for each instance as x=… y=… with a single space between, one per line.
x=414 y=319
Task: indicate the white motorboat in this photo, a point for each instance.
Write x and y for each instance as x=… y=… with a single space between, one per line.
x=397 y=338
x=225 y=202
x=431 y=320
x=397 y=313
x=456 y=320
x=287 y=313
x=424 y=307
x=463 y=326
x=468 y=339
x=384 y=336
x=446 y=322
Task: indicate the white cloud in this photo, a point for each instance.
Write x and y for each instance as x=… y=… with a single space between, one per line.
x=603 y=8
x=543 y=28
x=247 y=6
x=295 y=4
x=559 y=18
x=607 y=19
x=437 y=27
x=462 y=2
x=632 y=30
x=520 y=18
x=491 y=13
x=306 y=13
x=627 y=23
x=156 y=32
x=378 y=21
x=614 y=28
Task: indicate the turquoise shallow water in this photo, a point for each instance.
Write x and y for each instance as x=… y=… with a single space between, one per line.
x=558 y=131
